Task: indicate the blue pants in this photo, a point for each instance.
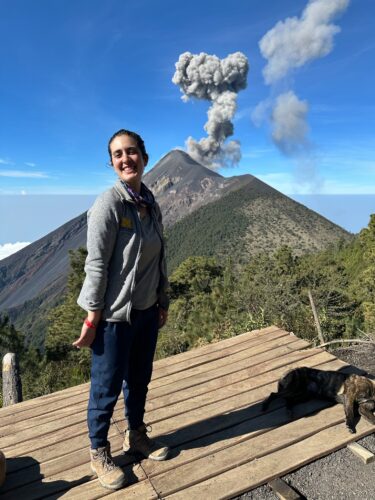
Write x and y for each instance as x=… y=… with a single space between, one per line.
x=122 y=356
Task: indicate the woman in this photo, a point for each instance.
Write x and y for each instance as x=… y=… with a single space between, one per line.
x=124 y=294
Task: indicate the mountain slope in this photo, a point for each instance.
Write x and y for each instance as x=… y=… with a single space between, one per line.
x=255 y=218
x=39 y=266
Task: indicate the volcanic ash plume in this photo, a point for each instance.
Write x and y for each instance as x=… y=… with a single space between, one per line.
x=291 y=44
x=294 y=42
x=290 y=128
x=217 y=80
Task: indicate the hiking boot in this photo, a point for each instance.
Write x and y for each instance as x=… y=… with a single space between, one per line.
x=110 y=475
x=137 y=441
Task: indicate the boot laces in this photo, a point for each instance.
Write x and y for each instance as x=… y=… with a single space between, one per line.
x=106 y=460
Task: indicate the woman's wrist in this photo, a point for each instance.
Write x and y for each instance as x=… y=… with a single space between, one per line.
x=90 y=324
x=94 y=317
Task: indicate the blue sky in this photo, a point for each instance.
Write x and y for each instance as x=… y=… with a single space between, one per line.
x=74 y=72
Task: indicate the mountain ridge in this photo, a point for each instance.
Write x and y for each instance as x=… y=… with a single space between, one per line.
x=188 y=184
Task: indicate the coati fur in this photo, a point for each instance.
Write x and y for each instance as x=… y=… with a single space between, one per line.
x=355 y=392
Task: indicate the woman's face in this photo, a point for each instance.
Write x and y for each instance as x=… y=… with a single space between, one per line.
x=127 y=160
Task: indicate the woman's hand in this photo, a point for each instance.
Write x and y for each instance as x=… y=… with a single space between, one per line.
x=163 y=316
x=88 y=333
x=87 y=337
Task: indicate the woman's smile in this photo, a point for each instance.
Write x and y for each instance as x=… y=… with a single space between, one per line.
x=127 y=160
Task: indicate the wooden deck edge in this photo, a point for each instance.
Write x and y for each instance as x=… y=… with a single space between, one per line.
x=260 y=471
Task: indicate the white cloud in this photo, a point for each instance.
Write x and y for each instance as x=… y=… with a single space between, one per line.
x=23 y=173
x=10 y=248
x=3 y=161
x=30 y=164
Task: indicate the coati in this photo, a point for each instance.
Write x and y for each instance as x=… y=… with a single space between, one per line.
x=355 y=392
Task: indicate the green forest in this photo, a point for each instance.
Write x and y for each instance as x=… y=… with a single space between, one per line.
x=215 y=299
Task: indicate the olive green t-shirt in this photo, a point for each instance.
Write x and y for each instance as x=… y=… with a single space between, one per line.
x=148 y=273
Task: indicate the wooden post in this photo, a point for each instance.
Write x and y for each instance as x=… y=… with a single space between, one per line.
x=316 y=318
x=365 y=455
x=12 y=388
x=3 y=468
x=283 y=490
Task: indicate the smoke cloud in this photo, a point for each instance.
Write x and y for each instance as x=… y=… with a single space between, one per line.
x=290 y=128
x=294 y=42
x=207 y=77
x=291 y=44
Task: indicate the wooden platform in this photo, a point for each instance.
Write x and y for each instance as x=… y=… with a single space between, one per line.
x=205 y=404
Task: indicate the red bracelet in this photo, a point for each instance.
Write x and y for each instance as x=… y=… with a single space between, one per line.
x=89 y=324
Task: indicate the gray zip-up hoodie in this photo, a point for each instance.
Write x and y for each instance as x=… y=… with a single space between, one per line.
x=114 y=247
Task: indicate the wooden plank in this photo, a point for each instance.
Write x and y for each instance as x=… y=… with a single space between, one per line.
x=173 y=419
x=221 y=394
x=44 y=410
x=46 y=447
x=282 y=434
x=218 y=383
x=43 y=403
x=142 y=490
x=265 y=359
x=359 y=451
x=18 y=461
x=259 y=471
x=51 y=432
x=55 y=409
x=80 y=416
x=59 y=414
x=46 y=468
x=197 y=424
x=43 y=429
x=248 y=354
x=44 y=400
x=283 y=490
x=234 y=429
x=215 y=346
x=212 y=355
x=252 y=363
x=22 y=447
x=66 y=480
x=19 y=445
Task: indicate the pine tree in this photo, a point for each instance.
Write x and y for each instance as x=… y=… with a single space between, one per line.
x=367 y=278
x=10 y=339
x=65 y=322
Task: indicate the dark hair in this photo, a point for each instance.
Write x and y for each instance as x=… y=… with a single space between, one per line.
x=135 y=136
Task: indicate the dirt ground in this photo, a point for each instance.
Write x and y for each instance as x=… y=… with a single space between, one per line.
x=340 y=475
